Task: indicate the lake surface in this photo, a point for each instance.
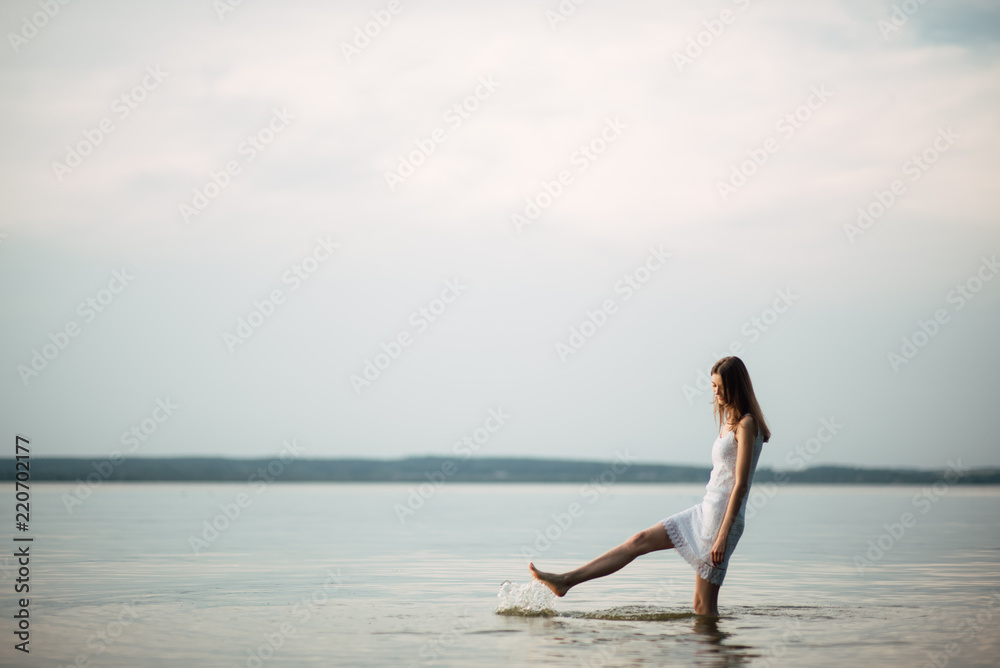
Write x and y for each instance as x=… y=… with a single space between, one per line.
x=329 y=574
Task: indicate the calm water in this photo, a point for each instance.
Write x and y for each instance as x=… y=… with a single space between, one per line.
x=318 y=575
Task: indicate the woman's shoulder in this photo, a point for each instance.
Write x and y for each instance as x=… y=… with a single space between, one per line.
x=749 y=426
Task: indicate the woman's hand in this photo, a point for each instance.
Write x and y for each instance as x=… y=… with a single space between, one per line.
x=718 y=553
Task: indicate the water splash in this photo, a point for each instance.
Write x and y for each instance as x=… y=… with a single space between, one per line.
x=527 y=600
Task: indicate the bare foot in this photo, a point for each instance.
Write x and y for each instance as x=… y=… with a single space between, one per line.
x=553 y=581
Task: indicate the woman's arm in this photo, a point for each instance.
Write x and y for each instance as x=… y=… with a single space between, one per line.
x=746 y=432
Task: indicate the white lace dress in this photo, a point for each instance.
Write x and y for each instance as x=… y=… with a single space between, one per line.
x=693 y=531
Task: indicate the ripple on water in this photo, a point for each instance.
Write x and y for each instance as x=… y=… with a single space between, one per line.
x=639 y=613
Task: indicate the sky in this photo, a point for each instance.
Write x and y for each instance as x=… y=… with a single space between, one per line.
x=386 y=229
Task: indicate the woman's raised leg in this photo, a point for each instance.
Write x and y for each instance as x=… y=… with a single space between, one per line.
x=648 y=540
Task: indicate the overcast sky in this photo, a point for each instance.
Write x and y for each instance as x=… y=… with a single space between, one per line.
x=170 y=168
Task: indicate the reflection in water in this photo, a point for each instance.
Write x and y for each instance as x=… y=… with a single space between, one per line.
x=641 y=635
x=713 y=650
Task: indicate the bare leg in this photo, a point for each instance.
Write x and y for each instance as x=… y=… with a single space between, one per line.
x=706 y=597
x=649 y=540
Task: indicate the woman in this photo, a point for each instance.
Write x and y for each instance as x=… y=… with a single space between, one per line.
x=706 y=534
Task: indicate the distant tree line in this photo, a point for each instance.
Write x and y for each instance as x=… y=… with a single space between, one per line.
x=424 y=469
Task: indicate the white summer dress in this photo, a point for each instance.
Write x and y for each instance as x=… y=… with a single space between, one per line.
x=693 y=531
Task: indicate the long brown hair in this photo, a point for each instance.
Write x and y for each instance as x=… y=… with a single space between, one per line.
x=737 y=398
